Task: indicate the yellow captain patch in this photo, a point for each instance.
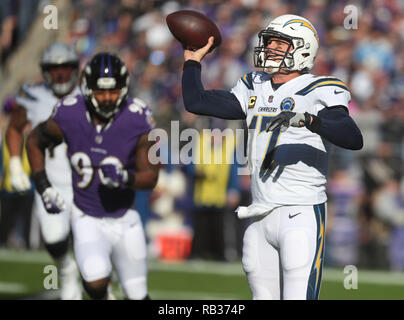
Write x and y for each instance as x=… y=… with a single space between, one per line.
x=252 y=101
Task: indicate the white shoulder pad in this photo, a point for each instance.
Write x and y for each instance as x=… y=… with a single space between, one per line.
x=241 y=90
x=27 y=93
x=328 y=92
x=137 y=106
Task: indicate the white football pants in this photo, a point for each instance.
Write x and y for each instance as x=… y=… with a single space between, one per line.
x=54 y=227
x=283 y=253
x=100 y=243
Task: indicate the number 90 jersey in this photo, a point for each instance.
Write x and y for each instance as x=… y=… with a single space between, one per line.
x=287 y=168
x=91 y=146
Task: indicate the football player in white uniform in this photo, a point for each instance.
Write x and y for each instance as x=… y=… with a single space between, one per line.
x=60 y=66
x=292 y=117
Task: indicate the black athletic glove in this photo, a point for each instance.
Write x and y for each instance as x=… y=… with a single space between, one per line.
x=289 y=118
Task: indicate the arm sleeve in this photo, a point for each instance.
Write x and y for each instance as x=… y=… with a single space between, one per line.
x=217 y=103
x=331 y=120
x=338 y=127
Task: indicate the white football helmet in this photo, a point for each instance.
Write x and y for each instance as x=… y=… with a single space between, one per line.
x=302 y=38
x=59 y=54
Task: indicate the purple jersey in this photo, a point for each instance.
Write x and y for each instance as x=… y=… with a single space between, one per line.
x=90 y=146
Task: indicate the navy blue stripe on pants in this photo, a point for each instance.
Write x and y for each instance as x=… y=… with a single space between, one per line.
x=313 y=287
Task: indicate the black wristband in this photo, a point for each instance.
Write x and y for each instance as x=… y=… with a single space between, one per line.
x=41 y=181
x=131 y=179
x=315 y=122
x=192 y=63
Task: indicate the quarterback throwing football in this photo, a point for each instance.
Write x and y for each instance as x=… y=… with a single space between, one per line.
x=292 y=117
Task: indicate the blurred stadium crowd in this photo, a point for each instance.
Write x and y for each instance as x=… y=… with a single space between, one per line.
x=366 y=189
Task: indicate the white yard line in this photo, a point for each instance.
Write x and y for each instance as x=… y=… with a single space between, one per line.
x=25 y=256
x=217 y=268
x=11 y=287
x=205 y=267
x=367 y=277
x=234 y=269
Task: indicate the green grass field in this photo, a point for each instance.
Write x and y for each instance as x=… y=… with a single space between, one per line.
x=22 y=275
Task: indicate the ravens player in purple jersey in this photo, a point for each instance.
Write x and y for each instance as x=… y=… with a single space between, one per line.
x=107 y=137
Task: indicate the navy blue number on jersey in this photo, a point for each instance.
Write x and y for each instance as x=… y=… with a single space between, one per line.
x=268 y=160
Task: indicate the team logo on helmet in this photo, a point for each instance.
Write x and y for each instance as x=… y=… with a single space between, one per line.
x=287 y=104
x=304 y=24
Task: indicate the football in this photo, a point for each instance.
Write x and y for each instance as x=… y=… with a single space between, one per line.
x=193 y=29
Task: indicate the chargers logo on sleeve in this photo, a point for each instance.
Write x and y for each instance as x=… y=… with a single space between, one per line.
x=287 y=104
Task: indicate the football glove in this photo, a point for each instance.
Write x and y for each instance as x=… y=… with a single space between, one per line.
x=52 y=201
x=18 y=178
x=114 y=177
x=288 y=118
x=9 y=104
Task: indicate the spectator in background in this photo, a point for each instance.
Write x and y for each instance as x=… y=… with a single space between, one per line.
x=82 y=37
x=16 y=17
x=239 y=194
x=8 y=19
x=389 y=207
x=343 y=227
x=16 y=207
x=214 y=184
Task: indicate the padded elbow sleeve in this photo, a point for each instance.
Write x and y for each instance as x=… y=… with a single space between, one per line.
x=45 y=139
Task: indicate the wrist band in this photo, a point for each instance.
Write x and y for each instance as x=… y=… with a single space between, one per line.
x=315 y=123
x=41 y=181
x=131 y=179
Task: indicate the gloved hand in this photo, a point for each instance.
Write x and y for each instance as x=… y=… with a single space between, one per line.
x=114 y=177
x=288 y=118
x=18 y=178
x=9 y=104
x=52 y=201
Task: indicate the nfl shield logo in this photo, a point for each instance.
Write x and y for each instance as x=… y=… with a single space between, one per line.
x=98 y=139
x=270 y=99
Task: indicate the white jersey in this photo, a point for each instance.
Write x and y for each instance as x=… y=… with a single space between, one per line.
x=288 y=168
x=39 y=101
